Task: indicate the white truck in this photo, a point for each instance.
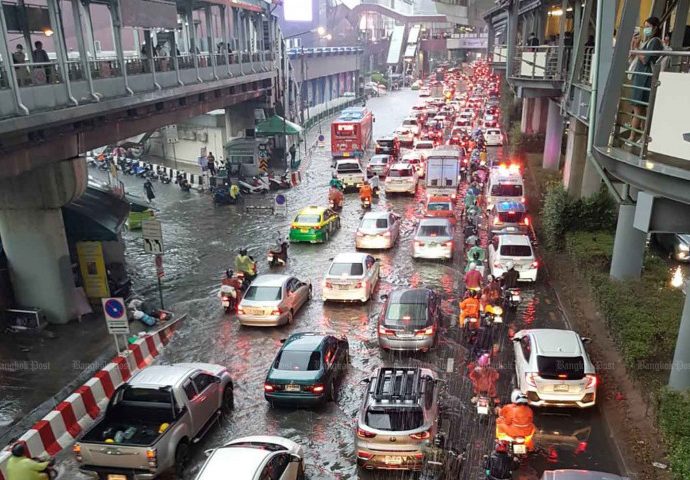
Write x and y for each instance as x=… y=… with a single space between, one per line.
x=443 y=171
x=352 y=174
x=153 y=419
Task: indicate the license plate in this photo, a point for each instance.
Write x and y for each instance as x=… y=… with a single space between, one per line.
x=515 y=298
x=498 y=319
x=346 y=154
x=254 y=311
x=389 y=460
x=520 y=449
x=482 y=409
x=341 y=287
x=226 y=303
x=270 y=258
x=304 y=230
x=292 y=388
x=433 y=244
x=116 y=477
x=561 y=388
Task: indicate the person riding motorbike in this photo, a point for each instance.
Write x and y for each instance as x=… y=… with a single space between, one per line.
x=365 y=192
x=279 y=250
x=475 y=255
x=335 y=196
x=234 y=191
x=21 y=467
x=246 y=264
x=484 y=378
x=473 y=278
x=469 y=308
x=516 y=420
x=336 y=183
x=492 y=290
x=510 y=278
x=500 y=464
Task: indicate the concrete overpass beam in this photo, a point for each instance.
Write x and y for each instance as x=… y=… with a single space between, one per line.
x=554 y=137
x=33 y=235
x=628 y=246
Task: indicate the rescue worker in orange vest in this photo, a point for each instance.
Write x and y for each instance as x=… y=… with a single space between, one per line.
x=469 y=308
x=365 y=191
x=516 y=420
x=483 y=377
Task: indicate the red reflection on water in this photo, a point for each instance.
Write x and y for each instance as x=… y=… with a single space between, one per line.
x=414 y=280
x=529 y=314
x=447 y=283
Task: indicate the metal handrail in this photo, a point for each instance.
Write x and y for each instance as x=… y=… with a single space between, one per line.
x=549 y=70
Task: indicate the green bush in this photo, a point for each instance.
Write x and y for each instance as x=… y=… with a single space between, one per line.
x=674 y=421
x=555 y=215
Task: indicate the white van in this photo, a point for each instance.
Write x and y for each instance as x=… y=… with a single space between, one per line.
x=505 y=184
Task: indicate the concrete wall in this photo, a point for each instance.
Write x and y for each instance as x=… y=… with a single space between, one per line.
x=323 y=65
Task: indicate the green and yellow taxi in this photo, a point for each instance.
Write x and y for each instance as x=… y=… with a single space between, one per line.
x=314 y=225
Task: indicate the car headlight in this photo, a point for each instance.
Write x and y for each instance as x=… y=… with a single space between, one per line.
x=683 y=247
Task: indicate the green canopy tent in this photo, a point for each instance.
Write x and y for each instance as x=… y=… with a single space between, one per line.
x=276 y=125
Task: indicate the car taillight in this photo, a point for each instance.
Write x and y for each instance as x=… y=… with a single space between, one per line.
x=385 y=331
x=591 y=381
x=359 y=234
x=448 y=244
x=277 y=311
x=532 y=379
x=240 y=310
x=360 y=284
x=421 y=435
x=526 y=221
x=534 y=264
x=269 y=388
x=364 y=455
x=496 y=220
x=418 y=243
x=316 y=227
x=152 y=457
x=318 y=388
x=522 y=200
x=426 y=331
x=361 y=433
x=386 y=234
x=328 y=284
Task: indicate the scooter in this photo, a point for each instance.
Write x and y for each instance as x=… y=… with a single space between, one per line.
x=366 y=203
x=221 y=196
x=184 y=184
x=164 y=178
x=512 y=298
x=139 y=171
x=255 y=185
x=278 y=258
x=279 y=183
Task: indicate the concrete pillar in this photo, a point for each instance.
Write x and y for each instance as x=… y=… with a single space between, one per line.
x=575 y=157
x=628 y=246
x=591 y=181
x=554 y=137
x=33 y=236
x=679 y=378
x=228 y=123
x=540 y=112
x=526 y=120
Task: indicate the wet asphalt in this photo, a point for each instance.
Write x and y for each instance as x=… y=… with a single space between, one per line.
x=201 y=241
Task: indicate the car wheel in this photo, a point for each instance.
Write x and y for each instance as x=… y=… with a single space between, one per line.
x=332 y=392
x=228 y=400
x=181 y=458
x=326 y=236
x=337 y=224
x=290 y=317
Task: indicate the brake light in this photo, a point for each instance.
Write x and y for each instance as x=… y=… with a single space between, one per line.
x=268 y=387
x=361 y=433
x=317 y=388
x=386 y=233
x=591 y=381
x=426 y=331
x=421 y=436
x=534 y=264
x=364 y=455
x=526 y=220
x=522 y=199
x=240 y=310
x=532 y=379
x=277 y=311
x=385 y=331
x=328 y=284
x=418 y=243
x=562 y=376
x=152 y=457
x=358 y=285
x=316 y=227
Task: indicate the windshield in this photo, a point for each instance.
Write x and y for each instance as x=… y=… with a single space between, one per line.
x=298 y=361
x=406 y=315
x=373 y=223
x=516 y=251
x=410 y=122
x=305 y=218
x=438 y=207
x=394 y=419
x=400 y=172
x=506 y=190
x=424 y=145
x=348 y=168
x=352 y=269
x=433 y=231
x=555 y=368
x=263 y=294
x=378 y=160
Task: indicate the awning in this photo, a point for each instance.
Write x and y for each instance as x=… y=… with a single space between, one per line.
x=277 y=125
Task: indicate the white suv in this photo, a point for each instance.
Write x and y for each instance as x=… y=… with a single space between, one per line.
x=350 y=277
x=493 y=137
x=402 y=178
x=553 y=368
x=517 y=249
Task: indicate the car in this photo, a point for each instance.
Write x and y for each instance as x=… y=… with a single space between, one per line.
x=433 y=239
x=273 y=300
x=389 y=145
x=424 y=146
x=424 y=92
x=415 y=159
x=409 y=320
x=565 y=474
x=377 y=230
x=412 y=124
x=397 y=419
x=509 y=217
x=314 y=225
x=350 y=277
x=490 y=121
x=553 y=368
x=256 y=457
x=402 y=178
x=513 y=248
x=405 y=136
x=676 y=244
x=379 y=164
x=307 y=370
x=493 y=137
x=440 y=207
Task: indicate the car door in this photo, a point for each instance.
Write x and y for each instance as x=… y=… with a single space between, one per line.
x=300 y=291
x=279 y=467
x=394 y=226
x=372 y=272
x=207 y=399
x=330 y=359
x=522 y=359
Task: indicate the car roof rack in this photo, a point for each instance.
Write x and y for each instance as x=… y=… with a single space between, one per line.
x=399 y=384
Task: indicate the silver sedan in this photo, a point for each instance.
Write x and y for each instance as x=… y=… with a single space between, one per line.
x=377 y=230
x=273 y=300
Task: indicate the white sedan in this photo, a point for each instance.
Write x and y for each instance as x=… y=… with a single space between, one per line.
x=433 y=239
x=377 y=230
x=351 y=277
x=273 y=300
x=256 y=457
x=515 y=249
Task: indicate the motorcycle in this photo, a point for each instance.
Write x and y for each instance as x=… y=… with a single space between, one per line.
x=221 y=196
x=442 y=463
x=519 y=447
x=493 y=317
x=512 y=298
x=278 y=258
x=139 y=171
x=165 y=179
x=366 y=203
x=182 y=181
x=228 y=294
x=255 y=185
x=279 y=183
x=335 y=198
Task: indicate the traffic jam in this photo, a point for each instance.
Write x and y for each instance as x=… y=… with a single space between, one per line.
x=410 y=345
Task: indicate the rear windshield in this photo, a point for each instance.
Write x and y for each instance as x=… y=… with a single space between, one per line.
x=154 y=395
x=400 y=172
x=410 y=122
x=511 y=217
x=348 y=167
x=493 y=132
x=353 y=269
x=394 y=419
x=561 y=368
x=308 y=219
x=378 y=160
x=298 y=361
x=506 y=190
x=438 y=207
x=263 y=294
x=406 y=315
x=385 y=143
x=516 y=251
x=433 y=231
x=422 y=146
x=368 y=223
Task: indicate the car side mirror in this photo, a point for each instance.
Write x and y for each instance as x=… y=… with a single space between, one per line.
x=384 y=297
x=295 y=459
x=365 y=381
x=283 y=340
x=586 y=340
x=516 y=339
x=209 y=452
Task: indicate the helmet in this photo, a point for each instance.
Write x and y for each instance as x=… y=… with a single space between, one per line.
x=510 y=265
x=490 y=278
x=228 y=273
x=18 y=450
x=243 y=251
x=518 y=397
x=473 y=266
x=484 y=360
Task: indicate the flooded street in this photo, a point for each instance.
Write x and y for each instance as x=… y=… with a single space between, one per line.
x=201 y=241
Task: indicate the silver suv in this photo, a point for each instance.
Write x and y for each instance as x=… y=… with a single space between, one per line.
x=398 y=418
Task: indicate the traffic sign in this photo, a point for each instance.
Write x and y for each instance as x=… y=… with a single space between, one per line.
x=280 y=205
x=115 y=315
x=152 y=231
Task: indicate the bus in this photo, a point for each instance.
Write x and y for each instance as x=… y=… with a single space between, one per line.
x=351 y=132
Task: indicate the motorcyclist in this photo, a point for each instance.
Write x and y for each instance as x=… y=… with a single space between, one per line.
x=473 y=278
x=510 y=278
x=234 y=191
x=500 y=465
x=365 y=192
x=492 y=290
x=484 y=378
x=469 y=308
x=475 y=255
x=21 y=467
x=335 y=196
x=246 y=264
x=516 y=419
x=280 y=248
x=470 y=200
x=335 y=182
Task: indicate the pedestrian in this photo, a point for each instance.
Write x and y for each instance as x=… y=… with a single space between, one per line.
x=41 y=56
x=293 y=153
x=19 y=57
x=642 y=66
x=532 y=40
x=211 y=163
x=148 y=189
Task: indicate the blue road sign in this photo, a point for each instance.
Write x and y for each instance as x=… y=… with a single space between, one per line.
x=280 y=199
x=114 y=308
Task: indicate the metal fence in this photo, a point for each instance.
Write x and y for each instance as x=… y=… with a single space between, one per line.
x=547 y=62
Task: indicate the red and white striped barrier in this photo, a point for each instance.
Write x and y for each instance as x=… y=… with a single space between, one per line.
x=78 y=412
